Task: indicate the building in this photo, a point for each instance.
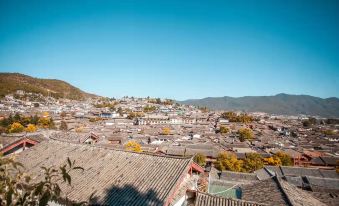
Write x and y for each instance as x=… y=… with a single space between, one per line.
x=114 y=177
x=153 y=120
x=18 y=146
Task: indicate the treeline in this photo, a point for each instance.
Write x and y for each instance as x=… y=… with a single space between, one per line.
x=150 y=108
x=109 y=105
x=18 y=123
x=252 y=162
x=159 y=101
x=313 y=121
x=11 y=82
x=132 y=115
x=243 y=133
x=233 y=117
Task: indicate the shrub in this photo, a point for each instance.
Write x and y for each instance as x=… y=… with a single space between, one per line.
x=200 y=159
x=16 y=127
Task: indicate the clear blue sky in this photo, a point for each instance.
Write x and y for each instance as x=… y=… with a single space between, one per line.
x=176 y=49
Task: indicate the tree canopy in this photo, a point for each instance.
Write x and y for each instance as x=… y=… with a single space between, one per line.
x=224 y=129
x=233 y=117
x=253 y=162
x=16 y=127
x=285 y=159
x=133 y=146
x=245 y=133
x=31 y=128
x=228 y=161
x=18 y=189
x=200 y=159
x=166 y=131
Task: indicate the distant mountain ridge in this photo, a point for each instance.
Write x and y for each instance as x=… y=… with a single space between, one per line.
x=11 y=82
x=285 y=104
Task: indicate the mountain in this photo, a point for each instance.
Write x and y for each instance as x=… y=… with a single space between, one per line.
x=11 y=82
x=279 y=104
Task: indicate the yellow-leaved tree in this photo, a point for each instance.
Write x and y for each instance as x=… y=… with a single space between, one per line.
x=285 y=159
x=45 y=114
x=228 y=161
x=245 y=133
x=30 y=128
x=133 y=146
x=166 y=131
x=16 y=127
x=200 y=159
x=79 y=129
x=253 y=162
x=275 y=161
x=224 y=129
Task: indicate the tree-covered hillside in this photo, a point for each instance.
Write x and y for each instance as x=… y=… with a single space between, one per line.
x=11 y=82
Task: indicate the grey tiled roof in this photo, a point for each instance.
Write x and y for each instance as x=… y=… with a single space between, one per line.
x=266 y=191
x=328 y=183
x=329 y=174
x=274 y=169
x=263 y=174
x=238 y=176
x=296 y=196
x=281 y=171
x=299 y=171
x=275 y=191
x=317 y=161
x=116 y=177
x=204 y=199
x=330 y=160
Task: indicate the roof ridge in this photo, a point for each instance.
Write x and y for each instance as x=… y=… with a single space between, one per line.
x=116 y=149
x=282 y=171
x=286 y=186
x=271 y=173
x=229 y=198
x=277 y=179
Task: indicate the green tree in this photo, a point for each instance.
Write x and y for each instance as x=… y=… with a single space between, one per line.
x=35 y=120
x=18 y=189
x=17 y=117
x=200 y=159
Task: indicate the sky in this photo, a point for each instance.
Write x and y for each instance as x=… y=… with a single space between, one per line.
x=176 y=49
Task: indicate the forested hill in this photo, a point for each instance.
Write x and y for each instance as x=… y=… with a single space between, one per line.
x=278 y=104
x=11 y=82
